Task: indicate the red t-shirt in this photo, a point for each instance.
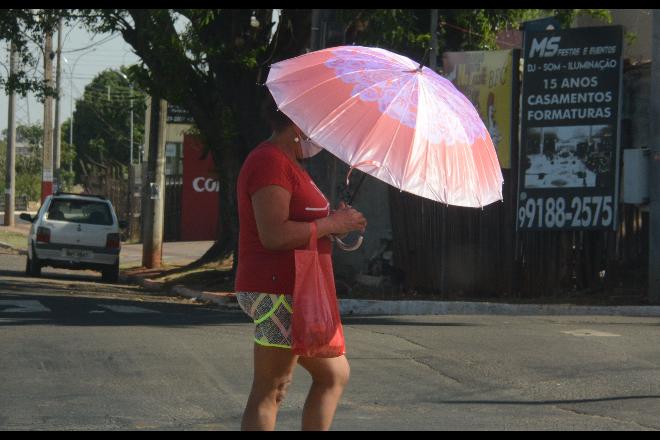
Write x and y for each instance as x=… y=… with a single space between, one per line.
x=259 y=269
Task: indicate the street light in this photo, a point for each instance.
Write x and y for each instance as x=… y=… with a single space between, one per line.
x=130 y=85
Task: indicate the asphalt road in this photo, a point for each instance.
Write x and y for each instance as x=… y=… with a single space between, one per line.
x=77 y=354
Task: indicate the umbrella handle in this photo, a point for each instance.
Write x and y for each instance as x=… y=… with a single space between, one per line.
x=346 y=247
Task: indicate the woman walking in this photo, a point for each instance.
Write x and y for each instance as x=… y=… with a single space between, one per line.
x=277 y=201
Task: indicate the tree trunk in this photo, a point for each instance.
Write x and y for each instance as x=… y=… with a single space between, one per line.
x=244 y=100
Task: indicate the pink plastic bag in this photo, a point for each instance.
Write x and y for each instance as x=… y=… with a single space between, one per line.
x=316 y=326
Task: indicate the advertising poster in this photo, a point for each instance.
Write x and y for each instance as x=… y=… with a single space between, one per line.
x=569 y=149
x=486 y=79
x=199 y=197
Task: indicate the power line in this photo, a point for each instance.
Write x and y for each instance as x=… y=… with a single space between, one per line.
x=98 y=43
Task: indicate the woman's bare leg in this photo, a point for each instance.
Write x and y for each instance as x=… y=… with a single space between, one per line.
x=329 y=378
x=273 y=370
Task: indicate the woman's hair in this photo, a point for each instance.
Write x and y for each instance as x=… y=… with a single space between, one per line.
x=278 y=120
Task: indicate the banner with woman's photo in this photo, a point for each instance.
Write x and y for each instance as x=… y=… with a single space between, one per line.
x=487 y=78
x=569 y=149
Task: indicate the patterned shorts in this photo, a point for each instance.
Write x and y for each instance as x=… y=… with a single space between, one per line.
x=272 y=317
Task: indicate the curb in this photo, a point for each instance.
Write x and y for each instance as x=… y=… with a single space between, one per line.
x=359 y=307
x=4 y=245
x=374 y=307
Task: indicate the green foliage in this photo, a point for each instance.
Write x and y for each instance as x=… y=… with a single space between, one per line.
x=407 y=31
x=101 y=128
x=26 y=29
x=28 y=167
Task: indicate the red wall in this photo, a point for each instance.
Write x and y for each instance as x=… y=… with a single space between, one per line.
x=199 y=199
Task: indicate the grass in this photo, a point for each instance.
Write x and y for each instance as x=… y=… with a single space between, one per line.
x=14 y=239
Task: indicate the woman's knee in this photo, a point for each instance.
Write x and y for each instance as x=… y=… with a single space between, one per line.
x=281 y=389
x=271 y=390
x=337 y=376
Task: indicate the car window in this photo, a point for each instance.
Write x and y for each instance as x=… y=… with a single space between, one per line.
x=80 y=211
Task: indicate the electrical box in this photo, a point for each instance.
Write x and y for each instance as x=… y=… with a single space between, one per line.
x=636 y=167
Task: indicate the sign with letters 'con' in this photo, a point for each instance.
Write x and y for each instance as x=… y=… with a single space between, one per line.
x=199 y=196
x=570 y=124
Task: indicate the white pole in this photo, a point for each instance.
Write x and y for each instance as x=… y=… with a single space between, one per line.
x=57 y=135
x=131 y=157
x=10 y=190
x=654 y=177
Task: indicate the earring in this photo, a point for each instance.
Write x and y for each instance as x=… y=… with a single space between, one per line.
x=296 y=139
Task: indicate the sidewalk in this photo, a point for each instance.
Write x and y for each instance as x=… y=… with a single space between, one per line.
x=180 y=254
x=364 y=307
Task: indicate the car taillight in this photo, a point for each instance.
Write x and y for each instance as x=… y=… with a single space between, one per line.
x=43 y=235
x=112 y=241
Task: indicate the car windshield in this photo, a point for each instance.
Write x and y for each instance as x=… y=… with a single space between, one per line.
x=80 y=211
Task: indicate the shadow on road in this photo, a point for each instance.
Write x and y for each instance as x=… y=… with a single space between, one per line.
x=48 y=301
x=545 y=402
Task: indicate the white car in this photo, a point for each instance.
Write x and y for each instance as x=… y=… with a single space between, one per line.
x=75 y=231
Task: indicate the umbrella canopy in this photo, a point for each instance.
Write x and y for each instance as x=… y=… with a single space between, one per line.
x=383 y=114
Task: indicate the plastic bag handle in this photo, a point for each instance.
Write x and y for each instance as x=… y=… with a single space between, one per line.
x=313 y=239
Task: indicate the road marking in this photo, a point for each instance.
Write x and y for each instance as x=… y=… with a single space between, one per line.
x=22 y=306
x=587 y=332
x=127 y=309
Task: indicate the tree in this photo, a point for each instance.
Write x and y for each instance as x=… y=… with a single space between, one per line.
x=102 y=119
x=210 y=68
x=407 y=30
x=209 y=61
x=28 y=166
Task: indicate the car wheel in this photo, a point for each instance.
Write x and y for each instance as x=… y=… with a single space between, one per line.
x=33 y=266
x=111 y=274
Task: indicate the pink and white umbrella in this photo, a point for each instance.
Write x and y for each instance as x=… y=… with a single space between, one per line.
x=403 y=124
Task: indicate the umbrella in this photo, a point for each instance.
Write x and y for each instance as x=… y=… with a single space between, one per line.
x=381 y=113
x=400 y=122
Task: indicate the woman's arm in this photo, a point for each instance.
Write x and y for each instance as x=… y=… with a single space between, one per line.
x=277 y=232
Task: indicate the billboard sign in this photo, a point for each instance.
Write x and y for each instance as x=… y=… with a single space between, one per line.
x=570 y=124
x=199 y=197
x=486 y=78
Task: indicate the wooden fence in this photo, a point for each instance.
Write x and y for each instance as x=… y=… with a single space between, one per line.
x=477 y=252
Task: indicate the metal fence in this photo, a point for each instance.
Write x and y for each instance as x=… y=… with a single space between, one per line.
x=462 y=251
x=20 y=203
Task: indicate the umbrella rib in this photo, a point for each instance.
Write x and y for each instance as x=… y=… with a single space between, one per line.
x=389 y=148
x=340 y=108
x=419 y=105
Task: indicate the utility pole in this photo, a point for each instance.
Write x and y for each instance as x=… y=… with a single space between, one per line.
x=10 y=191
x=47 y=162
x=154 y=190
x=433 y=57
x=654 y=177
x=130 y=161
x=57 y=136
